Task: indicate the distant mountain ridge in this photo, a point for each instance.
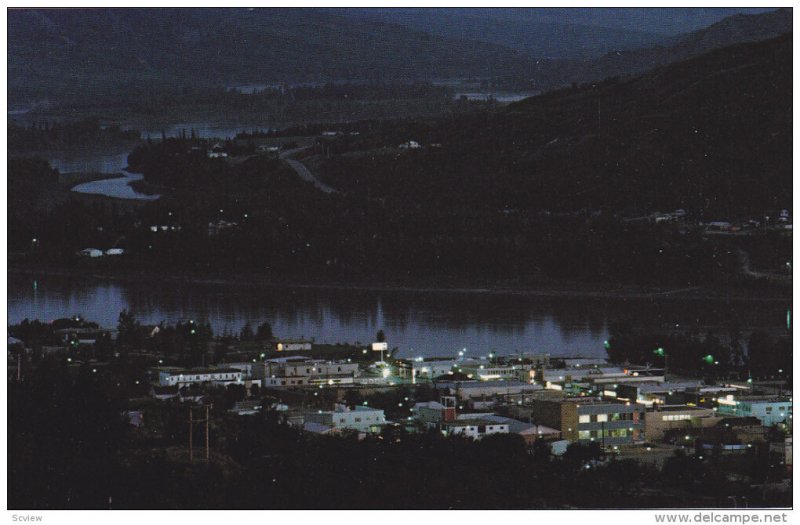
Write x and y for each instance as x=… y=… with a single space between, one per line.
x=512 y=29
x=53 y=51
x=58 y=53
x=729 y=31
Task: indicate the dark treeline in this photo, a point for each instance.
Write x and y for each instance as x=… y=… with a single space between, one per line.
x=70 y=448
x=47 y=134
x=259 y=217
x=726 y=355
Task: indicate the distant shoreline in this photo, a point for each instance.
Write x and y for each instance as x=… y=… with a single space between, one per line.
x=553 y=290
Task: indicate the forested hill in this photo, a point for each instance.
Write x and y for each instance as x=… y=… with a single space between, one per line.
x=81 y=53
x=55 y=52
x=732 y=30
x=712 y=134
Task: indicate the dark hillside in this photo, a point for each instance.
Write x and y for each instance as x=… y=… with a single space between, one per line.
x=712 y=134
x=733 y=30
x=58 y=52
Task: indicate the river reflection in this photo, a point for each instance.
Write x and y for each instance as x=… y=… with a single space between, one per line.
x=418 y=323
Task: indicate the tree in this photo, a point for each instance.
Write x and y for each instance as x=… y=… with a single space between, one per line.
x=264 y=332
x=380 y=337
x=247 y=333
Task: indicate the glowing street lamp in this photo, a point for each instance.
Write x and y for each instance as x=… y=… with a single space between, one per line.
x=660 y=352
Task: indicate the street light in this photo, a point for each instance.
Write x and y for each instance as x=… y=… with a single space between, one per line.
x=660 y=352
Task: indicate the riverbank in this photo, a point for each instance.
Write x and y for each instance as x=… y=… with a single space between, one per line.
x=539 y=290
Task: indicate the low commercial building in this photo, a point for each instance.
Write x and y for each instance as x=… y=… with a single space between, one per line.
x=306 y=372
x=473 y=428
x=665 y=418
x=650 y=393
x=770 y=410
x=198 y=376
x=423 y=369
x=476 y=390
x=358 y=418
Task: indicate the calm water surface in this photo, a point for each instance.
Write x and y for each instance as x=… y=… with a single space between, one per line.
x=418 y=323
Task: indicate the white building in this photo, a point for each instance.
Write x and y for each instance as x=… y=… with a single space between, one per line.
x=473 y=428
x=92 y=253
x=472 y=390
x=359 y=418
x=770 y=410
x=216 y=376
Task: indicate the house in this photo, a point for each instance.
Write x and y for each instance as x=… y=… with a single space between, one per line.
x=530 y=432
x=217 y=152
x=92 y=253
x=165 y=392
x=135 y=417
x=246 y=408
x=719 y=225
x=360 y=418
x=433 y=413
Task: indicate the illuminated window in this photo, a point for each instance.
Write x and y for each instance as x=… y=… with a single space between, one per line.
x=602 y=418
x=584 y=419
x=583 y=434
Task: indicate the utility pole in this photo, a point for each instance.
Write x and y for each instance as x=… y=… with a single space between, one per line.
x=190 y=435
x=207 y=448
x=192 y=421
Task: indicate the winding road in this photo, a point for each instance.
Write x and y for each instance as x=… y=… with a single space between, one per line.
x=303 y=171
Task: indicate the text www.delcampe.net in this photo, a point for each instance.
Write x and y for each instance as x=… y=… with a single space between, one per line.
x=722 y=517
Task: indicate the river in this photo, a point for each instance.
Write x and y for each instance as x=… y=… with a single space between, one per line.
x=419 y=323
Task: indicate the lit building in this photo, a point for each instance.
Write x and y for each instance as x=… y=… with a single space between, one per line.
x=770 y=410
x=588 y=420
x=473 y=428
x=216 y=376
x=359 y=418
x=670 y=417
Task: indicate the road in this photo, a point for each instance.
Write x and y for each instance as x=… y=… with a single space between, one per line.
x=304 y=172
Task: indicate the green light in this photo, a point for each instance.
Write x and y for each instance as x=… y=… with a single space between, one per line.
x=709 y=359
x=607 y=345
x=788 y=318
x=659 y=352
